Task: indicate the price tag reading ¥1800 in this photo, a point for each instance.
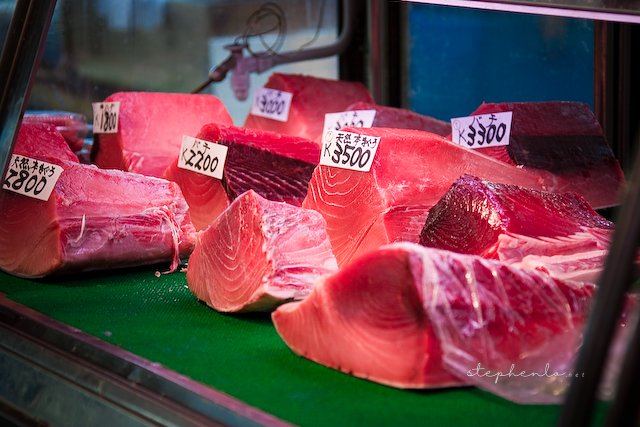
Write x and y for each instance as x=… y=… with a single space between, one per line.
x=202 y=156
x=485 y=130
x=105 y=117
x=31 y=177
x=272 y=104
x=349 y=150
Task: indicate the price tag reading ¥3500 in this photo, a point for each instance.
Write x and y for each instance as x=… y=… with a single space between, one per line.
x=31 y=177
x=349 y=150
x=486 y=130
x=202 y=156
x=105 y=117
x=272 y=104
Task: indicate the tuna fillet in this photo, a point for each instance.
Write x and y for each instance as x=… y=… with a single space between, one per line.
x=410 y=172
x=564 y=143
x=390 y=117
x=259 y=254
x=312 y=98
x=511 y=223
x=150 y=129
x=275 y=166
x=72 y=126
x=94 y=219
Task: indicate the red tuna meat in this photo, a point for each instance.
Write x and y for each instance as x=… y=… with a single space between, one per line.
x=564 y=143
x=94 y=219
x=259 y=254
x=390 y=117
x=401 y=315
x=509 y=222
x=150 y=129
x=72 y=126
x=410 y=172
x=313 y=97
x=276 y=166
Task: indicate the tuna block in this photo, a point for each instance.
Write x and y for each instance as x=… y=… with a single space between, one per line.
x=275 y=166
x=150 y=129
x=94 y=219
x=313 y=97
x=401 y=118
x=259 y=254
x=410 y=172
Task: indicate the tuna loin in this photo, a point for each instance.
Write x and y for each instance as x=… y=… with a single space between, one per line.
x=401 y=118
x=94 y=219
x=275 y=166
x=259 y=254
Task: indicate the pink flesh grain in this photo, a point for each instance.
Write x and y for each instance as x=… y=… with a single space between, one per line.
x=410 y=172
x=259 y=254
x=94 y=219
x=150 y=129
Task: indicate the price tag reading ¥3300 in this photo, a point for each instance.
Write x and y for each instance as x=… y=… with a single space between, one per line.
x=31 y=177
x=105 y=117
x=485 y=130
x=349 y=150
x=272 y=104
x=202 y=156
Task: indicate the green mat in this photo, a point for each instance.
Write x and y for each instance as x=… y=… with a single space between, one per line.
x=159 y=319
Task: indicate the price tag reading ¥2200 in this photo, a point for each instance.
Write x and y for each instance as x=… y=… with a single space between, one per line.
x=105 y=117
x=31 y=177
x=272 y=104
x=349 y=150
x=486 y=130
x=202 y=156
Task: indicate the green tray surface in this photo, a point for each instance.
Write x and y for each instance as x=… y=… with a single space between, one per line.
x=159 y=319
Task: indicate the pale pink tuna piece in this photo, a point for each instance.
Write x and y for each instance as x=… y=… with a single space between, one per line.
x=259 y=254
x=562 y=142
x=401 y=118
x=95 y=219
x=313 y=97
x=410 y=172
x=277 y=167
x=150 y=129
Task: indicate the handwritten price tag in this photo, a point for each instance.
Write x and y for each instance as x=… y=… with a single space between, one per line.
x=272 y=104
x=202 y=156
x=31 y=177
x=356 y=118
x=349 y=150
x=486 y=130
x=105 y=117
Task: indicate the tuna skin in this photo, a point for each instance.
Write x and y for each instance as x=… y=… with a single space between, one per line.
x=150 y=129
x=312 y=98
x=278 y=167
x=259 y=254
x=95 y=219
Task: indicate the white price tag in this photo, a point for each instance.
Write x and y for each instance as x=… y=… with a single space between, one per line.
x=356 y=118
x=485 y=130
x=31 y=177
x=105 y=117
x=202 y=156
x=349 y=150
x=272 y=104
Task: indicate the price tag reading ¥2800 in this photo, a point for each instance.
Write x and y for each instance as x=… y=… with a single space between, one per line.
x=31 y=177
x=105 y=117
x=202 y=156
x=485 y=130
x=349 y=150
x=272 y=104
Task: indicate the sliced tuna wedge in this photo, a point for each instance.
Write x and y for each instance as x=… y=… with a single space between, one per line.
x=259 y=254
x=401 y=118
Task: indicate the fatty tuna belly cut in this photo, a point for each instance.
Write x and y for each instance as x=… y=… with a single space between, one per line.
x=510 y=223
x=150 y=129
x=401 y=118
x=564 y=143
x=313 y=97
x=94 y=220
x=410 y=172
x=275 y=166
x=259 y=254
